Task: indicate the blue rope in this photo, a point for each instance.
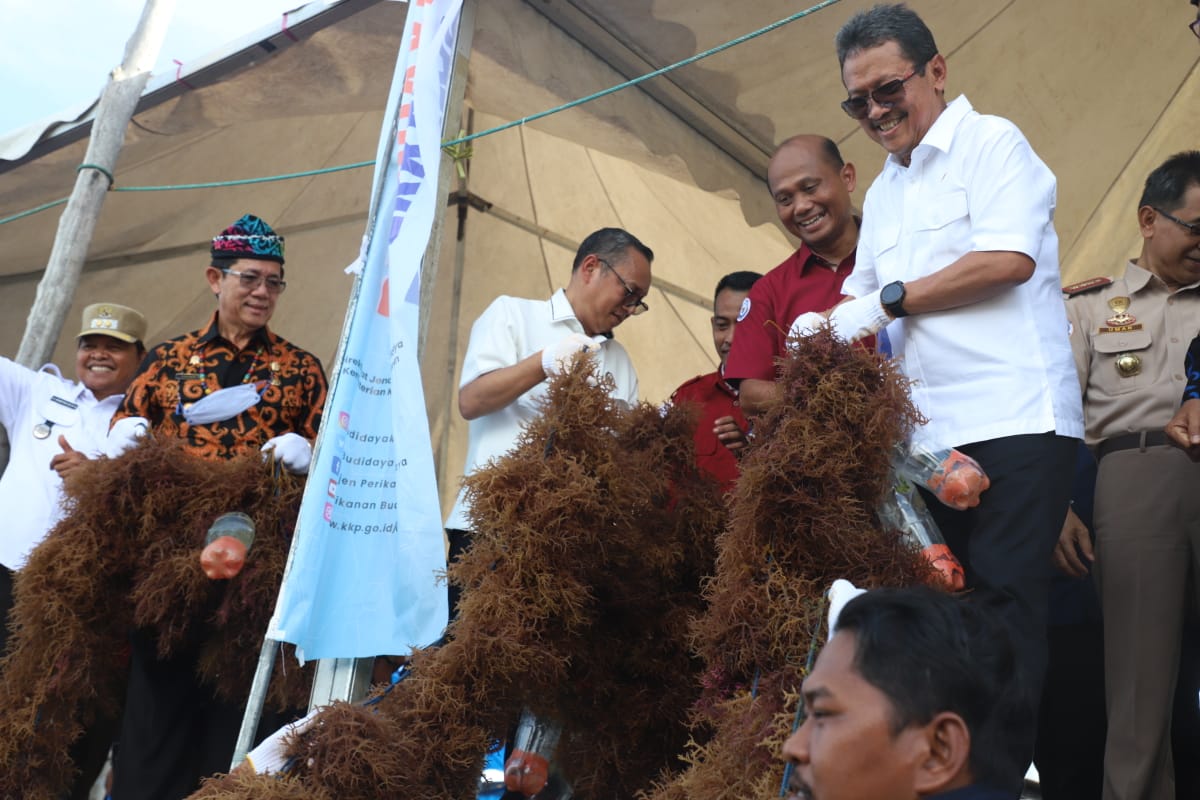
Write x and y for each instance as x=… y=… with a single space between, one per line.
x=798 y=719
x=453 y=142
x=643 y=78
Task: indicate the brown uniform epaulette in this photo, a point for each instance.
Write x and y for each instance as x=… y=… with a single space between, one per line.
x=1085 y=286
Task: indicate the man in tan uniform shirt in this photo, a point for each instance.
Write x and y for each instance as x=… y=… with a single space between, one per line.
x=1129 y=336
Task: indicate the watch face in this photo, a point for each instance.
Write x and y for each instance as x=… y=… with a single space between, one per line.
x=892 y=293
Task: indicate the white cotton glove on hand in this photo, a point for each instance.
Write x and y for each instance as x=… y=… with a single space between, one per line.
x=841 y=592
x=806 y=324
x=558 y=357
x=859 y=318
x=292 y=450
x=124 y=435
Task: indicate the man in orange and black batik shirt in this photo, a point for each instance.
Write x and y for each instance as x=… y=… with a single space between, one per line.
x=233 y=386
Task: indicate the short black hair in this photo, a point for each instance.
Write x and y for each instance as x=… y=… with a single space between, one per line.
x=887 y=23
x=610 y=244
x=1167 y=184
x=829 y=148
x=739 y=281
x=930 y=652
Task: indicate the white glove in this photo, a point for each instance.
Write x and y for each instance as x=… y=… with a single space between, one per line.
x=806 y=324
x=558 y=357
x=292 y=450
x=124 y=435
x=841 y=592
x=859 y=318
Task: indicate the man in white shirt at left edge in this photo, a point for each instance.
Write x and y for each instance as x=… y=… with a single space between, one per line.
x=54 y=425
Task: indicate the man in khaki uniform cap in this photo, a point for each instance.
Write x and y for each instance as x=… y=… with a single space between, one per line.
x=54 y=425
x=1129 y=336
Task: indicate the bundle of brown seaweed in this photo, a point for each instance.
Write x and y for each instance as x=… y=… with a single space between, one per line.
x=803 y=515
x=591 y=539
x=127 y=555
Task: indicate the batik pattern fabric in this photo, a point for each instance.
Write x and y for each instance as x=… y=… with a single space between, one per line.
x=176 y=373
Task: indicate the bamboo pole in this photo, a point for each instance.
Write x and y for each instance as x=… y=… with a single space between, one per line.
x=56 y=290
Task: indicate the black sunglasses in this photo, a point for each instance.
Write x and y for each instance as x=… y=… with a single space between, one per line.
x=884 y=96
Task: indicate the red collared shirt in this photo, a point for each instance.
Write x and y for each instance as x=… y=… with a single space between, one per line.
x=800 y=284
x=716 y=399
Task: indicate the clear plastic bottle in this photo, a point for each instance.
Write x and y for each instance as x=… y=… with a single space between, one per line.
x=229 y=539
x=903 y=510
x=528 y=768
x=955 y=478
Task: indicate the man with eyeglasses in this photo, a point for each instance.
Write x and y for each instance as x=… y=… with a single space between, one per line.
x=231 y=387
x=518 y=344
x=958 y=258
x=1129 y=336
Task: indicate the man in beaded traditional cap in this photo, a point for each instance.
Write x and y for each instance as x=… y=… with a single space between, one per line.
x=231 y=387
x=233 y=384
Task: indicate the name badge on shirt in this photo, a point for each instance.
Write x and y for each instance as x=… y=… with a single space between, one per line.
x=62 y=401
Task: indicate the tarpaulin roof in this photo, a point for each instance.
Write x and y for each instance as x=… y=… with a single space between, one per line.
x=1104 y=92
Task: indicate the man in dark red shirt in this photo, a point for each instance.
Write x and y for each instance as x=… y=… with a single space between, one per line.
x=811 y=185
x=721 y=427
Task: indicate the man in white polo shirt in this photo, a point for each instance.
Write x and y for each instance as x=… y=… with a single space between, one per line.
x=958 y=258
x=517 y=344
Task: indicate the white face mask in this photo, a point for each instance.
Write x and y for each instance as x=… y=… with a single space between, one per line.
x=222 y=404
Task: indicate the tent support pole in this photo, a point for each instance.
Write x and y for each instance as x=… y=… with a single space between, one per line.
x=56 y=290
x=254 y=705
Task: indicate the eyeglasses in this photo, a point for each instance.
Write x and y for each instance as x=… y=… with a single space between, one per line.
x=632 y=300
x=1192 y=227
x=884 y=96
x=252 y=280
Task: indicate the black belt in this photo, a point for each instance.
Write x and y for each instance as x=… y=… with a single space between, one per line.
x=1131 y=441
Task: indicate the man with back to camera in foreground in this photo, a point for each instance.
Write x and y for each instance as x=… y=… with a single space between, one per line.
x=518 y=344
x=721 y=426
x=810 y=185
x=916 y=695
x=958 y=258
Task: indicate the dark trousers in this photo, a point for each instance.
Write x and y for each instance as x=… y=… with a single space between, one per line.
x=6 y=604
x=1005 y=542
x=174 y=731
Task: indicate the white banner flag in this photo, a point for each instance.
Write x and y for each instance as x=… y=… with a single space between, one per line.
x=363 y=576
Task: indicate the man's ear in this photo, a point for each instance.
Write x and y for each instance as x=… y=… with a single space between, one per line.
x=1146 y=217
x=849 y=176
x=214 y=276
x=946 y=765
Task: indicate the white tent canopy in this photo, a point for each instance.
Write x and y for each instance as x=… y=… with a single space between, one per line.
x=1103 y=92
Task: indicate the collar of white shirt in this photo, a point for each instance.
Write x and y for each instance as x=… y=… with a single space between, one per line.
x=941 y=134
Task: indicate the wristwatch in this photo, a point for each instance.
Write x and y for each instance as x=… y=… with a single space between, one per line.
x=891 y=297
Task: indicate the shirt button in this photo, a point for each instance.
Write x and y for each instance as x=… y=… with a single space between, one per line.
x=1178 y=377
x=1175 y=339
